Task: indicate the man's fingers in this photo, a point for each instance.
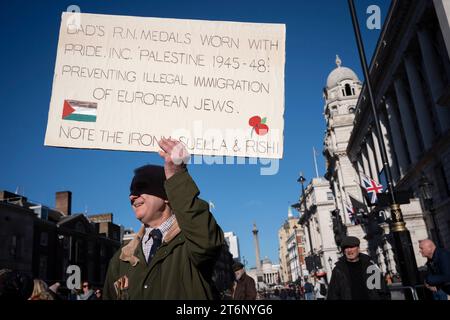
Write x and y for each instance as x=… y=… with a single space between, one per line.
x=179 y=154
x=167 y=144
x=163 y=144
x=173 y=150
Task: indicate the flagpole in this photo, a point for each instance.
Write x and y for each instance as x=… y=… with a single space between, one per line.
x=315 y=162
x=402 y=238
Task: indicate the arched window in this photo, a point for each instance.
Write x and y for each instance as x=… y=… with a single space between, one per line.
x=333 y=110
x=348 y=90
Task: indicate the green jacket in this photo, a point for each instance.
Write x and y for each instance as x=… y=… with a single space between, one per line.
x=182 y=266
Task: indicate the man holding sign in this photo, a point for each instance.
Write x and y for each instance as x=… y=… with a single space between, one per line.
x=173 y=254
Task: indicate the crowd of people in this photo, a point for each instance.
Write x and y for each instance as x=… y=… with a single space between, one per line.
x=313 y=287
x=348 y=281
x=15 y=285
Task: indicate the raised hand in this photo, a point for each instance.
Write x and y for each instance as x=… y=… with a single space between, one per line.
x=175 y=156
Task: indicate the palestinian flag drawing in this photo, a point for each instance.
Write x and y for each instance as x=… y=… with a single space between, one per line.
x=79 y=111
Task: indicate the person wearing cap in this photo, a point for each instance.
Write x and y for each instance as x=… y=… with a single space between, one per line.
x=355 y=276
x=172 y=255
x=244 y=288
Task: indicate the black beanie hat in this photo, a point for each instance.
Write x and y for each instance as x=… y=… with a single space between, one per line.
x=149 y=179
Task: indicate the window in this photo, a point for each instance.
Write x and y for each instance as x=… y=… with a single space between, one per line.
x=334 y=110
x=14 y=249
x=330 y=196
x=44 y=239
x=348 y=90
x=353 y=91
x=90 y=248
x=80 y=251
x=43 y=267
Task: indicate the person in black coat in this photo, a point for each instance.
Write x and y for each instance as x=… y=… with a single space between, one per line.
x=355 y=276
x=245 y=287
x=438 y=275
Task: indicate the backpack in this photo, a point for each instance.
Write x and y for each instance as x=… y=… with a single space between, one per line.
x=222 y=274
x=323 y=290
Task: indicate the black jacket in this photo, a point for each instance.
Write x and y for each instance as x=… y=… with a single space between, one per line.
x=439 y=270
x=340 y=285
x=245 y=288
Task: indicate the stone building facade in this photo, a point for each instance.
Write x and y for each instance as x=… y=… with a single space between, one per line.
x=42 y=242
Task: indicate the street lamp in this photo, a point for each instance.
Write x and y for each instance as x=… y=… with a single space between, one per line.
x=339 y=228
x=426 y=188
x=330 y=262
x=401 y=236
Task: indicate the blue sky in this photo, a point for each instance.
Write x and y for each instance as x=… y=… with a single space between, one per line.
x=315 y=32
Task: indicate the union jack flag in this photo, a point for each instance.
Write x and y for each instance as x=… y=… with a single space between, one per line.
x=371 y=187
x=350 y=211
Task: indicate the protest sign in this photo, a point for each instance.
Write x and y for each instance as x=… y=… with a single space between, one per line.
x=122 y=83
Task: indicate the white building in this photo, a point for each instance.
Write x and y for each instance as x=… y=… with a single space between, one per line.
x=410 y=75
x=412 y=93
x=268 y=276
x=411 y=82
x=291 y=249
x=341 y=100
x=318 y=226
x=233 y=243
x=295 y=245
x=341 y=95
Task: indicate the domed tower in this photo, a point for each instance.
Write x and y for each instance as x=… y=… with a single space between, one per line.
x=342 y=91
x=341 y=95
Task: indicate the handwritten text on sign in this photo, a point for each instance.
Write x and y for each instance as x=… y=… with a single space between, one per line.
x=122 y=83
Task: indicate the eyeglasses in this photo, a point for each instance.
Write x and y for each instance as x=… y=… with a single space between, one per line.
x=85 y=285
